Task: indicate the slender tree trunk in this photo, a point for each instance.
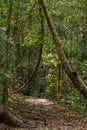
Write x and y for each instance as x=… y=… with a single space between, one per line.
x=75 y=78
x=59 y=80
x=6 y=67
x=5 y=115
x=24 y=89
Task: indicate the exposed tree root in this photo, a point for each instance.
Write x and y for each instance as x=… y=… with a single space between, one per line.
x=7 y=118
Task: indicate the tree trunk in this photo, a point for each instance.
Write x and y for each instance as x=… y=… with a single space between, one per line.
x=25 y=88
x=5 y=115
x=75 y=78
x=7 y=118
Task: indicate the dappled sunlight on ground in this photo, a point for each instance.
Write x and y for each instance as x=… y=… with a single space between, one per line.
x=38 y=101
x=45 y=114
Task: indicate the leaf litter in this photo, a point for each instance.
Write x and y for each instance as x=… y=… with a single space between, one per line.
x=45 y=114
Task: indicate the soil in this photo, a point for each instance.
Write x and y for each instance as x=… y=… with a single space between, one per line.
x=44 y=114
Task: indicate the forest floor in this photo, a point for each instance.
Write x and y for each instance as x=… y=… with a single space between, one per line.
x=44 y=114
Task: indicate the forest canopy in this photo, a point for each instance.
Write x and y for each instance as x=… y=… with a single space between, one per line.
x=43 y=50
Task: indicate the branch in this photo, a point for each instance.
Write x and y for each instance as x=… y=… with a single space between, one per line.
x=75 y=78
x=40 y=54
x=9 y=17
x=33 y=73
x=29 y=15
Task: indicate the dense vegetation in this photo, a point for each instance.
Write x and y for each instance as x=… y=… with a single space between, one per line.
x=28 y=56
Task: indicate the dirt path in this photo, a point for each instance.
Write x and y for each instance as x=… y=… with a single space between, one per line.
x=45 y=114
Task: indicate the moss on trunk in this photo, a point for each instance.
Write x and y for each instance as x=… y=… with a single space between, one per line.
x=7 y=118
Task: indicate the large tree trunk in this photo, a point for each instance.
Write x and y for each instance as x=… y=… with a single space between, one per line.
x=7 y=118
x=75 y=78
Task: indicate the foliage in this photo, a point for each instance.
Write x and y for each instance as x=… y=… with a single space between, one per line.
x=70 y=18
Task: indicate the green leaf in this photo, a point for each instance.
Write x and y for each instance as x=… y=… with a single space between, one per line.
x=5 y=1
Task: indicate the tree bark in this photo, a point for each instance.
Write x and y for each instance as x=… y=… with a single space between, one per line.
x=75 y=78
x=7 y=118
x=5 y=114
x=25 y=89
